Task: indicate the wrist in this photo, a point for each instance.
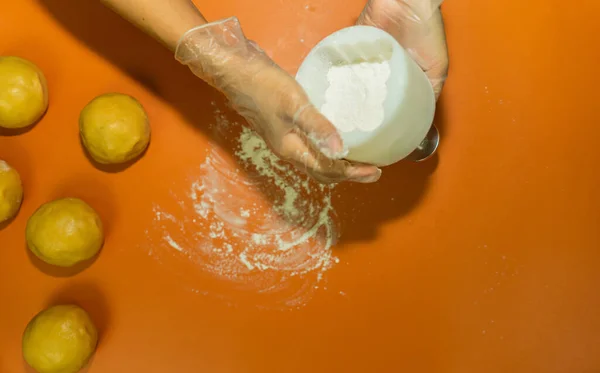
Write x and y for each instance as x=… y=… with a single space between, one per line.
x=215 y=51
x=172 y=34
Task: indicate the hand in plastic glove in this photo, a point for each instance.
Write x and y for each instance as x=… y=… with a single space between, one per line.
x=418 y=27
x=270 y=100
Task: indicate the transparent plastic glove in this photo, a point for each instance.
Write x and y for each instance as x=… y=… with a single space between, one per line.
x=270 y=100
x=418 y=27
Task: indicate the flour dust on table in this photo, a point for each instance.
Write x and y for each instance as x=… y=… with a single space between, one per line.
x=249 y=225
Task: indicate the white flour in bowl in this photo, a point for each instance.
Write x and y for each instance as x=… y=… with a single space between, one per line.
x=355 y=96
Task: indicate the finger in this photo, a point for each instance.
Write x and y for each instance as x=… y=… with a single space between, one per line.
x=430 y=52
x=319 y=130
x=296 y=112
x=437 y=70
x=419 y=28
x=365 y=174
x=295 y=149
x=298 y=152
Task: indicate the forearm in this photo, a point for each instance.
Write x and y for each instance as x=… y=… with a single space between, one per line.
x=164 y=20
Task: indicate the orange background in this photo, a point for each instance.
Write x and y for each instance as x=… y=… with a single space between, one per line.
x=484 y=259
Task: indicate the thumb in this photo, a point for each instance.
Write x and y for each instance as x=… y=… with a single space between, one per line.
x=320 y=131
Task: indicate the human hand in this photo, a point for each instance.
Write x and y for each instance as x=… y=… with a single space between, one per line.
x=270 y=99
x=419 y=28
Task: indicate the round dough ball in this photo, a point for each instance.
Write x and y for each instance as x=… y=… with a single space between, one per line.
x=60 y=339
x=11 y=192
x=65 y=232
x=114 y=128
x=23 y=93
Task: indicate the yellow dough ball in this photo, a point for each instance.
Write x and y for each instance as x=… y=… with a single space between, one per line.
x=60 y=339
x=65 y=232
x=23 y=93
x=11 y=192
x=114 y=128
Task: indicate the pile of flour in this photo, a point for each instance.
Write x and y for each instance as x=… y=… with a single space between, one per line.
x=355 y=96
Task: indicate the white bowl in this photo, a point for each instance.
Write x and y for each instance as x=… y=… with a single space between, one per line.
x=408 y=107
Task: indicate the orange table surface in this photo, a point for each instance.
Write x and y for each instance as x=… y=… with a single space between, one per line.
x=483 y=259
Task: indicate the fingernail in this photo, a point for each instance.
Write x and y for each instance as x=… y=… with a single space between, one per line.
x=335 y=143
x=334 y=154
x=331 y=146
x=368 y=178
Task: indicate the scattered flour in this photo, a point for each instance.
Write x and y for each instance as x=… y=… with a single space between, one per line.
x=355 y=96
x=172 y=242
x=254 y=223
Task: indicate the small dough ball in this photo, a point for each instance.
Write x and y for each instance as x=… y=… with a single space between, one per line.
x=114 y=128
x=60 y=339
x=11 y=192
x=23 y=93
x=65 y=232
